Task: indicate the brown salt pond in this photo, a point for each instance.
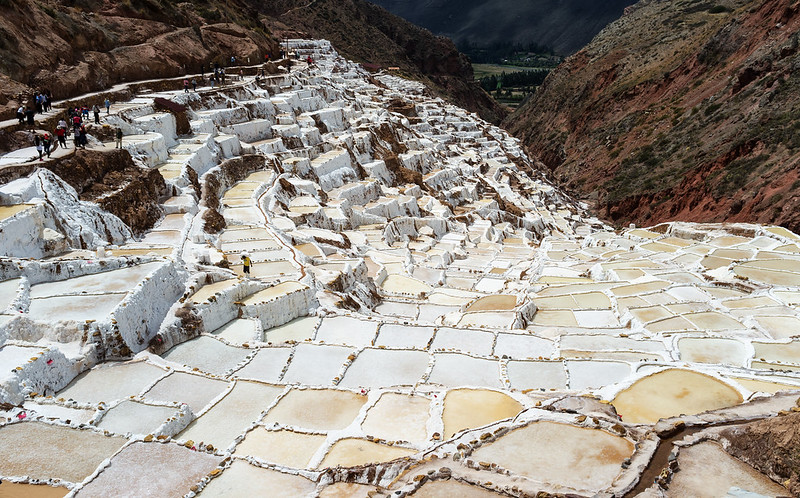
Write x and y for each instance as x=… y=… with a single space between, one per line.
x=581 y=458
x=287 y=448
x=243 y=479
x=175 y=470
x=353 y=452
x=10 y=489
x=204 y=293
x=764 y=386
x=494 y=303
x=317 y=409
x=400 y=284
x=9 y=211
x=673 y=392
x=468 y=408
x=43 y=451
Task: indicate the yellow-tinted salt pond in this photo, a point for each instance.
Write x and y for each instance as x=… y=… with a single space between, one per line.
x=10 y=489
x=673 y=392
x=400 y=284
x=9 y=211
x=494 y=303
x=352 y=452
x=274 y=292
x=297 y=330
x=316 y=409
x=764 y=386
x=468 y=408
x=451 y=488
x=204 y=293
x=399 y=417
x=243 y=479
x=581 y=458
x=287 y=448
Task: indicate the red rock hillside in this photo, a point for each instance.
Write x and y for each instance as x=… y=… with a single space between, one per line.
x=680 y=110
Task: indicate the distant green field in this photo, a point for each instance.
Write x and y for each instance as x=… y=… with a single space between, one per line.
x=483 y=70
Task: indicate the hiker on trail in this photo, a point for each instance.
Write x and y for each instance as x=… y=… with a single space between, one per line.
x=233 y=60
x=21 y=115
x=37 y=141
x=185 y=86
x=39 y=102
x=61 y=134
x=222 y=75
x=119 y=138
x=85 y=113
x=29 y=115
x=96 y=111
x=194 y=85
x=48 y=100
x=202 y=70
x=246 y=264
x=309 y=60
x=46 y=141
x=213 y=80
x=107 y=103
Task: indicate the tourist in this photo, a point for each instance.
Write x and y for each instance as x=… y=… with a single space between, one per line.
x=107 y=103
x=96 y=111
x=48 y=100
x=185 y=86
x=119 y=138
x=37 y=141
x=29 y=113
x=46 y=141
x=85 y=113
x=194 y=85
x=39 y=100
x=309 y=60
x=76 y=137
x=83 y=138
x=246 y=264
x=233 y=60
x=213 y=80
x=61 y=134
x=21 y=115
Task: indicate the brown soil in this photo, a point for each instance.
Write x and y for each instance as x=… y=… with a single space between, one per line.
x=770 y=446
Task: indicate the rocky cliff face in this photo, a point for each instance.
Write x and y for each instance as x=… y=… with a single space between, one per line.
x=80 y=46
x=680 y=110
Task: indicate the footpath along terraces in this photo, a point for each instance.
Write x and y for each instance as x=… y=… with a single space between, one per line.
x=427 y=315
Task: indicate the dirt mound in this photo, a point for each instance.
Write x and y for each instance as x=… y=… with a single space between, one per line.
x=112 y=180
x=770 y=446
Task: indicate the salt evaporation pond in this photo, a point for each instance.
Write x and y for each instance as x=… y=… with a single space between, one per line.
x=243 y=479
x=467 y=408
x=351 y=452
x=285 y=448
x=673 y=392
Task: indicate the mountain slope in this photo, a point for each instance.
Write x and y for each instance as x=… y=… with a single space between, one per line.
x=80 y=46
x=680 y=110
x=564 y=25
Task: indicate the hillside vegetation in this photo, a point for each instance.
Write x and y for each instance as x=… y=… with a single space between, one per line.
x=683 y=110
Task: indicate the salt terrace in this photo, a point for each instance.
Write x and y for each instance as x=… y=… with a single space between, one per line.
x=426 y=315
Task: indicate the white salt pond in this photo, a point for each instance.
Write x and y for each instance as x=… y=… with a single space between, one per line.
x=399 y=417
x=207 y=354
x=111 y=381
x=196 y=391
x=297 y=330
x=266 y=366
x=457 y=370
x=231 y=415
x=375 y=368
x=135 y=418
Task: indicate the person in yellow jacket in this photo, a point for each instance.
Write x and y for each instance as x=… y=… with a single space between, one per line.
x=246 y=264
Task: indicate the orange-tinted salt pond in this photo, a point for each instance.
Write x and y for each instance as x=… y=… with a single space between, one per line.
x=673 y=392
